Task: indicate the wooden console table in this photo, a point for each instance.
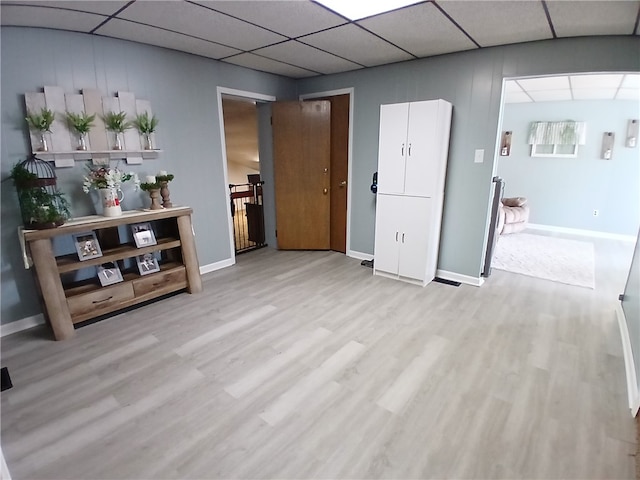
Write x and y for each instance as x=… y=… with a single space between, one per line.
x=68 y=301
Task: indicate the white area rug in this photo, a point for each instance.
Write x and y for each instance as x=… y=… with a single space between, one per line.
x=557 y=259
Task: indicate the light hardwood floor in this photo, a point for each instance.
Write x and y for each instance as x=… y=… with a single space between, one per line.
x=304 y=365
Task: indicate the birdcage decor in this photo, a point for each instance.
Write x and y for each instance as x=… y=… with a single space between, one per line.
x=41 y=204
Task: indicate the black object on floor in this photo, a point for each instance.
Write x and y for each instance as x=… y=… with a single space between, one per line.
x=367 y=263
x=5 y=378
x=447 y=282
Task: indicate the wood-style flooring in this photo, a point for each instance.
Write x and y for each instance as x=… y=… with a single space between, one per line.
x=301 y=365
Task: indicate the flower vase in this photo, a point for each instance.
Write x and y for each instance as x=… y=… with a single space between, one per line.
x=155 y=199
x=111 y=199
x=164 y=192
x=43 y=147
x=117 y=141
x=82 y=141
x=148 y=141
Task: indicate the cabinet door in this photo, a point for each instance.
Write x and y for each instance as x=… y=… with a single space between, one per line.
x=387 y=240
x=416 y=224
x=423 y=162
x=392 y=147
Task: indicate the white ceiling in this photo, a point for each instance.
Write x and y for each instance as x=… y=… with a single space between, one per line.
x=610 y=86
x=301 y=38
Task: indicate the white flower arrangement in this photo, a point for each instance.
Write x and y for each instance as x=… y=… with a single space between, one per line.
x=107 y=177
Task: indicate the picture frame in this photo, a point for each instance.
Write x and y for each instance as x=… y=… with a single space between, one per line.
x=147 y=264
x=87 y=246
x=143 y=234
x=109 y=273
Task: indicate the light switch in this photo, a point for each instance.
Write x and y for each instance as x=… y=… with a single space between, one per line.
x=479 y=156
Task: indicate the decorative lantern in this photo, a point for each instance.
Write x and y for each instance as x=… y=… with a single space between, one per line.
x=41 y=204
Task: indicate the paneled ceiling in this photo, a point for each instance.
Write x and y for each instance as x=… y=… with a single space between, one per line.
x=301 y=38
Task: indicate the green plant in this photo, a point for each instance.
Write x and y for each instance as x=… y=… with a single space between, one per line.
x=41 y=122
x=144 y=123
x=41 y=206
x=80 y=122
x=116 y=122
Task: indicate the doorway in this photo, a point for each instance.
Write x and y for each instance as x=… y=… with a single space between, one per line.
x=340 y=164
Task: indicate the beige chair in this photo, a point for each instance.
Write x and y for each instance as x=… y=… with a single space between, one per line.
x=514 y=215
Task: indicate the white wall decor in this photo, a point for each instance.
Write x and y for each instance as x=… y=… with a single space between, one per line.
x=63 y=141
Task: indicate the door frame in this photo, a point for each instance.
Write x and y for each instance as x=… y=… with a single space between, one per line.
x=332 y=93
x=258 y=97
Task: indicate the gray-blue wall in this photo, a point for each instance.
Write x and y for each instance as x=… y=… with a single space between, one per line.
x=472 y=82
x=182 y=92
x=563 y=192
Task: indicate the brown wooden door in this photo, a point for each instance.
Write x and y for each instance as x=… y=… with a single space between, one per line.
x=339 y=171
x=301 y=151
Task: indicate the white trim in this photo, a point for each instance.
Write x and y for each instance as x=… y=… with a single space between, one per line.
x=359 y=255
x=585 y=233
x=458 y=277
x=223 y=145
x=632 y=378
x=212 y=267
x=22 y=324
x=331 y=93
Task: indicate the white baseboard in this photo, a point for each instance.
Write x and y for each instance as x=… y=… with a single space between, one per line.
x=457 y=277
x=359 y=255
x=632 y=378
x=22 y=324
x=212 y=267
x=584 y=233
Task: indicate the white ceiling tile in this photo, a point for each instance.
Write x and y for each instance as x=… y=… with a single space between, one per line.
x=628 y=94
x=304 y=56
x=512 y=86
x=594 y=93
x=596 y=81
x=421 y=30
x=289 y=17
x=263 y=64
x=103 y=7
x=593 y=17
x=517 y=97
x=498 y=22
x=550 y=95
x=25 y=16
x=154 y=36
x=631 y=80
x=200 y=22
x=357 y=45
x=544 y=83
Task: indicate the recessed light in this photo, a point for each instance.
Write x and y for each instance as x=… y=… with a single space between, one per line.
x=355 y=10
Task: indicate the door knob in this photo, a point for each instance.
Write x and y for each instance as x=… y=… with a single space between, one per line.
x=325 y=191
x=343 y=183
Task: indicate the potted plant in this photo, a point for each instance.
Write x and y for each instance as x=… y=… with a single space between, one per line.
x=41 y=204
x=41 y=122
x=117 y=123
x=81 y=123
x=108 y=182
x=146 y=126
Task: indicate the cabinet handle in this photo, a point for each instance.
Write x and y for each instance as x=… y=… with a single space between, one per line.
x=403 y=238
x=402 y=150
x=409 y=149
x=104 y=300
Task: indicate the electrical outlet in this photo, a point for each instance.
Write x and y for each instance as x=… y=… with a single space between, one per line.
x=596 y=213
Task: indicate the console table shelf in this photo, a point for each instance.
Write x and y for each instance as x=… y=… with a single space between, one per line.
x=68 y=302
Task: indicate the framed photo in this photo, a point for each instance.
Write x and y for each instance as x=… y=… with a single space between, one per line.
x=143 y=234
x=87 y=245
x=147 y=264
x=109 y=273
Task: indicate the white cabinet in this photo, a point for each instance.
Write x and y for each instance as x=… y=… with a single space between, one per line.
x=412 y=163
x=402 y=238
x=413 y=146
